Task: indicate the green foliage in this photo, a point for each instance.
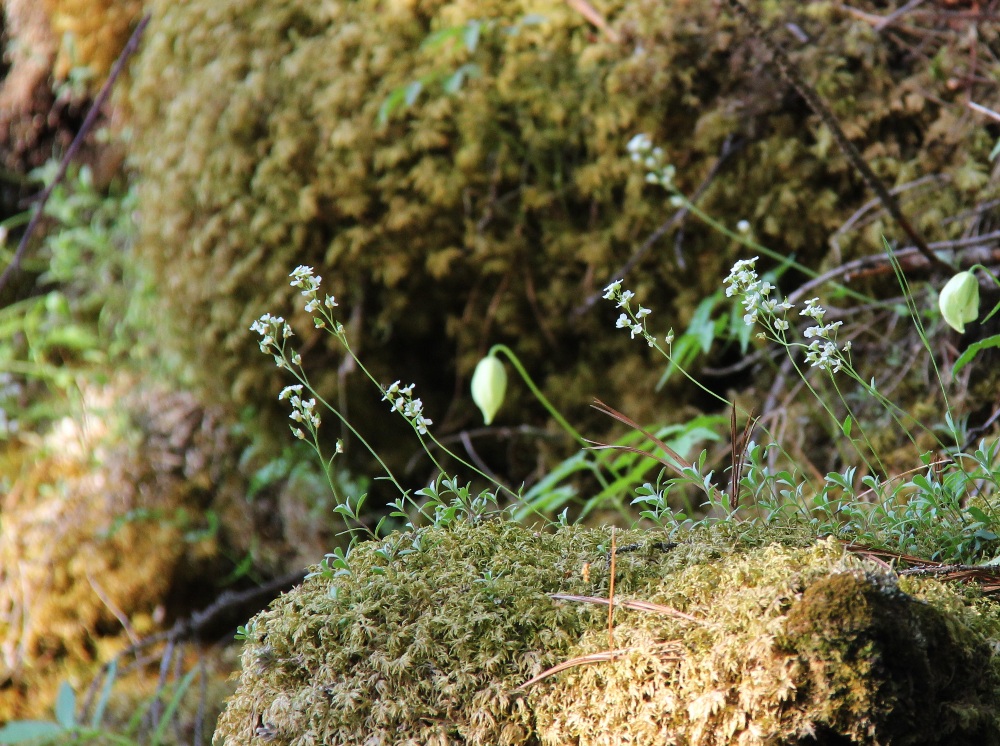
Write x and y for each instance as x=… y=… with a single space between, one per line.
x=84 y=313
x=66 y=728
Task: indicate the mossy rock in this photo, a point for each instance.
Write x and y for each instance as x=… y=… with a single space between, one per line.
x=106 y=535
x=488 y=216
x=428 y=637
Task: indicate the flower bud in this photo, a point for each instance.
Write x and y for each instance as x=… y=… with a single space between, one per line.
x=959 y=301
x=489 y=383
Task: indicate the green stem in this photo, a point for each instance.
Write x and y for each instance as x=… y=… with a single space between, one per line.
x=550 y=408
x=753 y=245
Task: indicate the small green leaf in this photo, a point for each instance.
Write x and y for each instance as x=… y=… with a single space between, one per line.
x=21 y=731
x=391 y=103
x=412 y=92
x=974 y=349
x=978 y=514
x=66 y=706
x=102 y=702
x=471 y=36
x=846 y=426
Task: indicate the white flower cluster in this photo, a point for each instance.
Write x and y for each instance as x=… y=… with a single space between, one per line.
x=303 y=278
x=272 y=329
x=635 y=321
x=402 y=401
x=303 y=410
x=641 y=150
x=822 y=352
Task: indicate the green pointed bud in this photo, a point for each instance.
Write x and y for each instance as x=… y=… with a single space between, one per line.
x=959 y=301
x=489 y=383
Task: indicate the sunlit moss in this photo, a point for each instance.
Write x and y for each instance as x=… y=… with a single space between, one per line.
x=428 y=637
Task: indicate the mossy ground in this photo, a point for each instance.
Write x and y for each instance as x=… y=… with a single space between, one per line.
x=428 y=637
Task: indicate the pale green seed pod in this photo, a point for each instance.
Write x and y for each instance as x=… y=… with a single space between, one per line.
x=959 y=301
x=489 y=383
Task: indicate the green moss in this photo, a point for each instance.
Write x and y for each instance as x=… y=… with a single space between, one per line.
x=429 y=636
x=880 y=662
x=487 y=216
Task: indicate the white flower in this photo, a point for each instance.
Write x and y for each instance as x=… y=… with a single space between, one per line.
x=639 y=144
x=288 y=391
x=959 y=301
x=489 y=384
x=612 y=289
x=813 y=310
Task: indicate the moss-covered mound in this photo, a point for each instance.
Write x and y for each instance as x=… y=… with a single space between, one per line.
x=489 y=215
x=426 y=637
x=107 y=535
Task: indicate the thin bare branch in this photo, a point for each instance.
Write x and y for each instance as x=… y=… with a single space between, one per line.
x=88 y=123
x=788 y=72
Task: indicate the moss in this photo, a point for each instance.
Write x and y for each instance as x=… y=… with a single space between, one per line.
x=487 y=216
x=104 y=521
x=428 y=637
x=884 y=663
x=92 y=33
